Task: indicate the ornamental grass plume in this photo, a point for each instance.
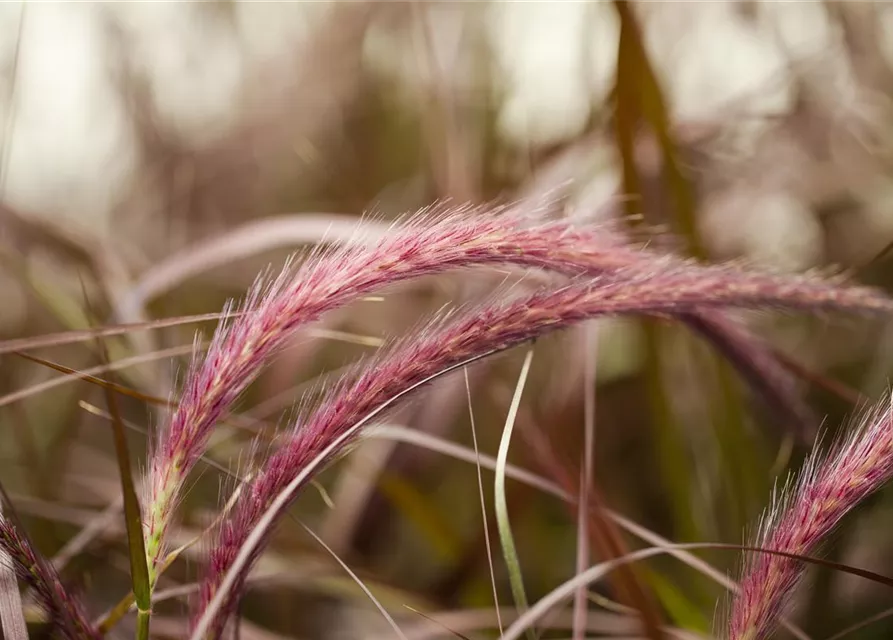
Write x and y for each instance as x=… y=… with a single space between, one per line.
x=674 y=289
x=425 y=244
x=65 y=614
x=805 y=513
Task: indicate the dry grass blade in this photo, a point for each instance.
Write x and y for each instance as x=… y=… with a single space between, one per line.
x=71 y=375
x=108 y=386
x=443 y=626
x=460 y=452
x=74 y=337
x=608 y=625
x=247 y=240
x=832 y=386
x=566 y=590
x=862 y=624
x=384 y=612
x=89 y=375
x=86 y=535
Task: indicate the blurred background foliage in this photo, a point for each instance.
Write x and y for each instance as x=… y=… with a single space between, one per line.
x=156 y=156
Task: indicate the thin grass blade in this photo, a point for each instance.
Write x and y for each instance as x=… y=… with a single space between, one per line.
x=107 y=385
x=74 y=337
x=506 y=539
x=139 y=568
x=384 y=612
x=474 y=440
x=590 y=340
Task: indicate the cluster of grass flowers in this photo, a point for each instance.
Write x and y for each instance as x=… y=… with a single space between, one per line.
x=592 y=273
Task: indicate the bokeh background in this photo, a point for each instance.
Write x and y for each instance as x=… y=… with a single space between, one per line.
x=156 y=156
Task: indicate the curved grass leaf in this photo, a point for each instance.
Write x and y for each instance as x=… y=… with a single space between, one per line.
x=139 y=568
x=506 y=539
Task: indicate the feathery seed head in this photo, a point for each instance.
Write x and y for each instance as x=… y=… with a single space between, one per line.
x=425 y=244
x=804 y=513
x=674 y=289
x=432 y=243
x=67 y=615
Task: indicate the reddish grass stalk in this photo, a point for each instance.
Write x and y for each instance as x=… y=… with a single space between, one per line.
x=422 y=246
x=806 y=512
x=674 y=289
x=66 y=615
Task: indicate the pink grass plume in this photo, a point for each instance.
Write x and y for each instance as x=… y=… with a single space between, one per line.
x=424 y=245
x=804 y=514
x=673 y=289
